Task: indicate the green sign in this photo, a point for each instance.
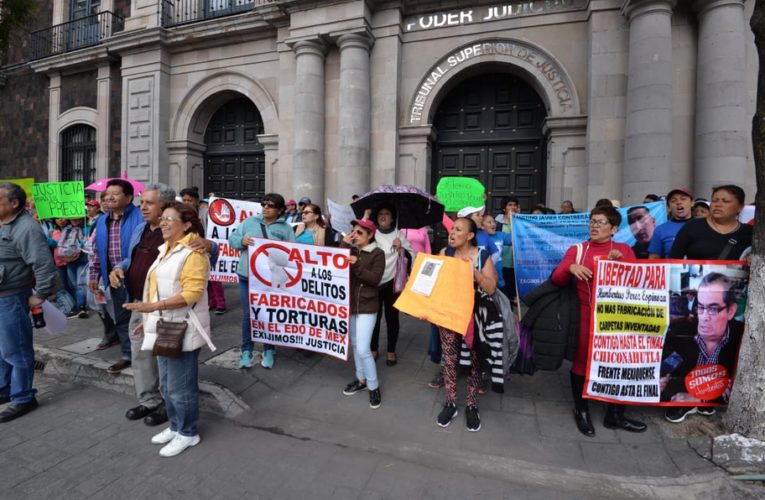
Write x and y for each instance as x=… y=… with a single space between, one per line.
x=457 y=193
x=25 y=183
x=59 y=199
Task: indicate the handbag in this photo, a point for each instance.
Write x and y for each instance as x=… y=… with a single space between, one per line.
x=401 y=274
x=169 y=342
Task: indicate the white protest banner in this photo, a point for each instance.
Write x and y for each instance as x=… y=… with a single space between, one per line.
x=223 y=216
x=342 y=215
x=300 y=296
x=664 y=332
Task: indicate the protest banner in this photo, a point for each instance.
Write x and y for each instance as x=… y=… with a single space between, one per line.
x=540 y=241
x=342 y=215
x=300 y=296
x=457 y=193
x=24 y=182
x=59 y=199
x=440 y=291
x=223 y=216
x=664 y=333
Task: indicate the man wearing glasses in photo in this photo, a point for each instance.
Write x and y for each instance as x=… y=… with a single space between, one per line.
x=713 y=339
x=270 y=225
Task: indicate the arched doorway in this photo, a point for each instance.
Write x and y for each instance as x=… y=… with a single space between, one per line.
x=234 y=160
x=489 y=127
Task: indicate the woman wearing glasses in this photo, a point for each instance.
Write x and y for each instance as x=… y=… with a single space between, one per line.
x=367 y=267
x=313 y=229
x=176 y=290
x=604 y=222
x=269 y=225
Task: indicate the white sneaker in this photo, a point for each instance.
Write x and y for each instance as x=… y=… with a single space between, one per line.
x=178 y=444
x=163 y=437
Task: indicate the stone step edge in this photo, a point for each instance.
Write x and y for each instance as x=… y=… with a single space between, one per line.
x=70 y=367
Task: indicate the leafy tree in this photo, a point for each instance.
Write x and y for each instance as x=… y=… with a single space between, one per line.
x=746 y=412
x=14 y=15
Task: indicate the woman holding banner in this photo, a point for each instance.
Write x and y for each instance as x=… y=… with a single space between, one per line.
x=463 y=245
x=367 y=267
x=718 y=236
x=578 y=263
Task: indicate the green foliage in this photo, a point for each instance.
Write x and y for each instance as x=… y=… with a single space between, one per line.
x=14 y=16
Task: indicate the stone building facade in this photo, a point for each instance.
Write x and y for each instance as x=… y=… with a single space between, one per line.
x=547 y=100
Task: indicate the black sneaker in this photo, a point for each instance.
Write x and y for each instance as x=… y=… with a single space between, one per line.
x=354 y=387
x=447 y=415
x=82 y=313
x=707 y=411
x=677 y=414
x=219 y=311
x=375 y=400
x=473 y=419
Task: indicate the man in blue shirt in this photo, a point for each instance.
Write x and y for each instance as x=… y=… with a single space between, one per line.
x=680 y=202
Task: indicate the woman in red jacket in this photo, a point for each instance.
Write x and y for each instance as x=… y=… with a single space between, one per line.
x=604 y=222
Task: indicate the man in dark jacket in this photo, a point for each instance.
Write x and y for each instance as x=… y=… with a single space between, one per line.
x=25 y=261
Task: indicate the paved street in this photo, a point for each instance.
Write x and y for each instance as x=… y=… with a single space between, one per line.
x=289 y=433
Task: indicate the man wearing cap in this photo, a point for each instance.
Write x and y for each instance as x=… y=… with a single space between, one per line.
x=484 y=240
x=679 y=202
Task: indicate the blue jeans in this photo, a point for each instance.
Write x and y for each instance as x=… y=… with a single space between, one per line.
x=73 y=270
x=122 y=319
x=362 y=326
x=179 y=380
x=17 y=356
x=244 y=298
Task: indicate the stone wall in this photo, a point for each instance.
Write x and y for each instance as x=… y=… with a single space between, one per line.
x=79 y=89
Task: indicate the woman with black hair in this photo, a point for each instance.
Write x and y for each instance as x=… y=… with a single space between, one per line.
x=463 y=245
x=393 y=242
x=604 y=222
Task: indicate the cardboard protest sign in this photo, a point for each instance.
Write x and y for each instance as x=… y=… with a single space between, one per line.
x=24 y=182
x=59 y=199
x=664 y=332
x=223 y=216
x=540 y=241
x=300 y=296
x=457 y=193
x=440 y=291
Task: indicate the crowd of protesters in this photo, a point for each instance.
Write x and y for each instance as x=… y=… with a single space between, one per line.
x=138 y=266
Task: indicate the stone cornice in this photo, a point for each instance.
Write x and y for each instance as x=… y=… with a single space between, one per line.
x=88 y=57
x=634 y=8
x=416 y=134
x=562 y=126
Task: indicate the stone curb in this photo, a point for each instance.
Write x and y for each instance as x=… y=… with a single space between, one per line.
x=75 y=368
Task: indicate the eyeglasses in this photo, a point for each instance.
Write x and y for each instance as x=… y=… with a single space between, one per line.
x=168 y=219
x=599 y=222
x=268 y=205
x=711 y=309
x=308 y=212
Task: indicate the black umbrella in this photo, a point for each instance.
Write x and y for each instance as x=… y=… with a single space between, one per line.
x=414 y=208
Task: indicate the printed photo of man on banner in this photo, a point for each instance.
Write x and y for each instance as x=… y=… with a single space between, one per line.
x=666 y=332
x=300 y=296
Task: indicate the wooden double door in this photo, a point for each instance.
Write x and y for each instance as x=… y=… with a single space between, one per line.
x=489 y=127
x=234 y=160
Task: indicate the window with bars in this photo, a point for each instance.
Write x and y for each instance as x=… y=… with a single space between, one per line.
x=78 y=154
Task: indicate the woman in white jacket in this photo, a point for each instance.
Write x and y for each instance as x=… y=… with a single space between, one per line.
x=176 y=290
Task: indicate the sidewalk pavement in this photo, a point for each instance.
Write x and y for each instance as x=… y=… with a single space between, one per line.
x=528 y=434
